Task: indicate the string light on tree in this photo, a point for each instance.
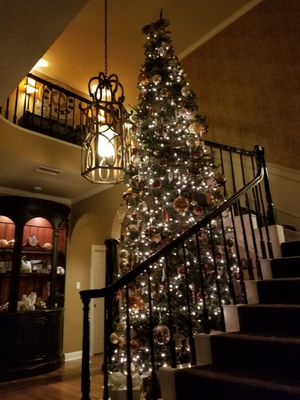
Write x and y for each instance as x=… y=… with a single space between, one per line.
x=172 y=184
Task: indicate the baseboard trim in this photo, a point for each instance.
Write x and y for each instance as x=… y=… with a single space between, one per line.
x=75 y=355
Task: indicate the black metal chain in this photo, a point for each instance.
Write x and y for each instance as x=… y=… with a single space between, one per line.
x=105 y=38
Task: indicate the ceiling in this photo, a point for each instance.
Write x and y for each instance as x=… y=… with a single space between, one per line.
x=69 y=36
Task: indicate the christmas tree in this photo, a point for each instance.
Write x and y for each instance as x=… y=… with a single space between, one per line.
x=172 y=184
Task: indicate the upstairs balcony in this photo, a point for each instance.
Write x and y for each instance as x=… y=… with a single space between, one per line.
x=48 y=108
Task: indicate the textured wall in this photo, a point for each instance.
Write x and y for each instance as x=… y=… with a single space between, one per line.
x=247 y=79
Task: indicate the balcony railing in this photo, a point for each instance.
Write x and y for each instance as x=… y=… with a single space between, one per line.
x=47 y=108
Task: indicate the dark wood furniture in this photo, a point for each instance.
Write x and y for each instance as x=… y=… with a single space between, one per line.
x=33 y=235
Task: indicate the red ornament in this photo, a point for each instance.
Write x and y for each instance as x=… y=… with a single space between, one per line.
x=196 y=154
x=209 y=198
x=164 y=92
x=163 y=162
x=157 y=184
x=197 y=210
x=181 y=204
x=136 y=301
x=150 y=231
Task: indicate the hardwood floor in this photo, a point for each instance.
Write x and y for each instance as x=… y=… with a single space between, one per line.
x=62 y=384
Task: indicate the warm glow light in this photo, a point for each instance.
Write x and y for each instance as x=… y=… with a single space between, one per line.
x=105 y=147
x=30 y=86
x=42 y=63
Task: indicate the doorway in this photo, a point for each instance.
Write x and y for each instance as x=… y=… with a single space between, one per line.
x=97 y=281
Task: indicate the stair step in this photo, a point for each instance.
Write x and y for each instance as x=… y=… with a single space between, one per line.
x=291 y=248
x=211 y=382
x=260 y=353
x=280 y=290
x=286 y=267
x=270 y=318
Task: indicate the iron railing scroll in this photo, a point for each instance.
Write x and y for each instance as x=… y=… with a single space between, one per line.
x=48 y=108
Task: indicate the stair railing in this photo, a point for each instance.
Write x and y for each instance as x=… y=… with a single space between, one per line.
x=132 y=359
x=46 y=107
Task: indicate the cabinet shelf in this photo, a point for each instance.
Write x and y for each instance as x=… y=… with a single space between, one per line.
x=33 y=251
x=37 y=274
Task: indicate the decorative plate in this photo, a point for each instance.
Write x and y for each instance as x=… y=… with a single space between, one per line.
x=33 y=241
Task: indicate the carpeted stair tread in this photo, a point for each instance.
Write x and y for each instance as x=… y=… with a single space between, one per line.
x=279 y=290
x=291 y=248
x=285 y=267
x=257 y=352
x=270 y=318
x=261 y=361
x=212 y=382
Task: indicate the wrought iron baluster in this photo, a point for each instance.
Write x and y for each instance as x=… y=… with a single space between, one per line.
x=206 y=327
x=188 y=302
x=258 y=211
x=247 y=203
x=128 y=349
x=229 y=272
x=216 y=272
x=236 y=246
x=260 y=158
x=170 y=314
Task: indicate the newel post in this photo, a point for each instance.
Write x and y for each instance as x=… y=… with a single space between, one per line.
x=85 y=362
x=110 y=308
x=260 y=154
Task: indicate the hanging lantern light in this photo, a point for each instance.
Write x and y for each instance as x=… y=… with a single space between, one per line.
x=105 y=150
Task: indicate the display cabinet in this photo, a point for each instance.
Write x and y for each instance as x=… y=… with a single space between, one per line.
x=33 y=239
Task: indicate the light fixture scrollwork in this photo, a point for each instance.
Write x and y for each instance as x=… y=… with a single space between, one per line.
x=105 y=152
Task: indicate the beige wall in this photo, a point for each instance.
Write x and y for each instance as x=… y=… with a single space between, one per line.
x=247 y=79
x=92 y=223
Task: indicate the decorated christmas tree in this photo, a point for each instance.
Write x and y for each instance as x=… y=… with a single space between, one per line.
x=172 y=184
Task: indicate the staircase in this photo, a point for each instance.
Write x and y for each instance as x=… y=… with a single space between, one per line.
x=262 y=360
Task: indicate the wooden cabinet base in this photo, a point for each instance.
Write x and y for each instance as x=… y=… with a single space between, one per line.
x=30 y=343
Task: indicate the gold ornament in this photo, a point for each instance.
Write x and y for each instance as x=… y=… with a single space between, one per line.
x=156 y=79
x=133 y=228
x=143 y=78
x=220 y=179
x=114 y=338
x=156 y=238
x=124 y=253
x=199 y=128
x=143 y=207
x=185 y=91
x=165 y=216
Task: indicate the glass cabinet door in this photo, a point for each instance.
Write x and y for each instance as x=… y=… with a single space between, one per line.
x=7 y=235
x=36 y=265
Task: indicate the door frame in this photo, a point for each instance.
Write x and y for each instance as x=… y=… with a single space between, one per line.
x=94 y=249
